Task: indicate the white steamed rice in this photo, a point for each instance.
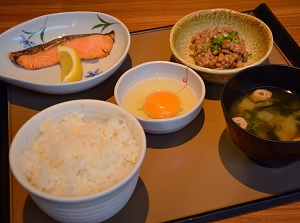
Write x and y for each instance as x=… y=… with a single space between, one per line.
x=73 y=157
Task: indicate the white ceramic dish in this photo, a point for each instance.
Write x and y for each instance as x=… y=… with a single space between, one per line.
x=162 y=69
x=45 y=28
x=93 y=208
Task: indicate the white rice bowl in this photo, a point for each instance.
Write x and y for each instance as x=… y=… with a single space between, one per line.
x=73 y=157
x=79 y=160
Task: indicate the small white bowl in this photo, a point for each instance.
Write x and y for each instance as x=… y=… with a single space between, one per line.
x=162 y=69
x=93 y=208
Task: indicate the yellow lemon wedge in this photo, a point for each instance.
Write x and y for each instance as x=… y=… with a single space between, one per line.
x=70 y=63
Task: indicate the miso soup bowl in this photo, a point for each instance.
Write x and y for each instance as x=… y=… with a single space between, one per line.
x=265 y=152
x=162 y=69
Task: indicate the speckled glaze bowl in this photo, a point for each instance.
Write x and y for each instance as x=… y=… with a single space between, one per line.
x=256 y=34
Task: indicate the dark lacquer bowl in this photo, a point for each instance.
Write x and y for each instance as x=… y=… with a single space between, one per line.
x=269 y=153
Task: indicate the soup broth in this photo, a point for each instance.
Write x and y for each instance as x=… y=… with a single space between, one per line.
x=270 y=113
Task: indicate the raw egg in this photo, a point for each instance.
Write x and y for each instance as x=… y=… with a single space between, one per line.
x=161 y=104
x=134 y=99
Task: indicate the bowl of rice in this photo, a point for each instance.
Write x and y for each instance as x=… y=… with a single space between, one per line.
x=79 y=160
x=218 y=43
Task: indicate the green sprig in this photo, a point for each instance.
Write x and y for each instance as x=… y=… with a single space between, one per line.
x=104 y=24
x=40 y=30
x=218 y=40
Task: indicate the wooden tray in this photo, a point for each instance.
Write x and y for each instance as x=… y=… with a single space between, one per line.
x=195 y=174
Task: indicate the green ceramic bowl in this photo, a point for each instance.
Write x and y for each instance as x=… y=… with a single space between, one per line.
x=256 y=34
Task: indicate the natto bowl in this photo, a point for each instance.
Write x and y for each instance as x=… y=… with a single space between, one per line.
x=256 y=34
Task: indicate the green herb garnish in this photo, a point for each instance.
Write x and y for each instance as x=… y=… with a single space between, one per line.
x=217 y=41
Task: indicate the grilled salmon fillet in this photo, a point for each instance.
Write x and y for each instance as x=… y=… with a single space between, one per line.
x=88 y=46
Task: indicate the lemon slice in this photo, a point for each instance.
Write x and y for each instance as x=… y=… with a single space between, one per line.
x=70 y=63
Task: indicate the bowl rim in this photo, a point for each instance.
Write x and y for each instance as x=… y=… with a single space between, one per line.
x=228 y=117
x=171 y=119
x=216 y=71
x=14 y=152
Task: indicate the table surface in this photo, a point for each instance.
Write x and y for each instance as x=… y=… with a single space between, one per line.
x=140 y=15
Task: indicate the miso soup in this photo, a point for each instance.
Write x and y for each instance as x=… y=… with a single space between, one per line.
x=270 y=113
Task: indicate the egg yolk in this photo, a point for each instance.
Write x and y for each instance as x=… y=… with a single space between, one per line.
x=161 y=104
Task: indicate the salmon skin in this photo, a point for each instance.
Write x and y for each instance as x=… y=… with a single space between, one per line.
x=88 y=46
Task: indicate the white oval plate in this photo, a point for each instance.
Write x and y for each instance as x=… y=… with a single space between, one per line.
x=45 y=28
